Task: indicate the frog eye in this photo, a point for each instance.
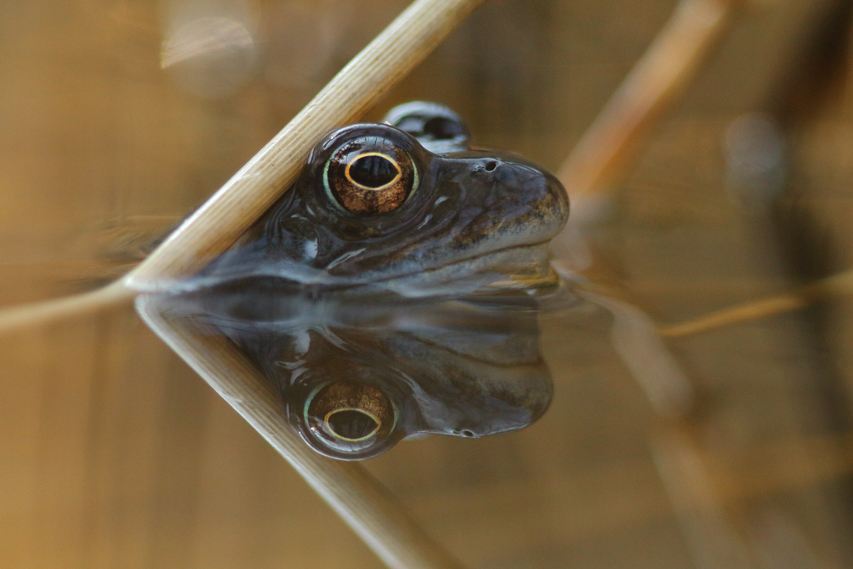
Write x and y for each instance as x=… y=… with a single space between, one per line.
x=350 y=418
x=369 y=176
x=436 y=127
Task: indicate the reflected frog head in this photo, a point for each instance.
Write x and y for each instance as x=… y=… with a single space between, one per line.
x=409 y=205
x=468 y=368
x=355 y=378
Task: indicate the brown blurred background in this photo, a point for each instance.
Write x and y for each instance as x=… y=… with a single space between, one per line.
x=117 y=117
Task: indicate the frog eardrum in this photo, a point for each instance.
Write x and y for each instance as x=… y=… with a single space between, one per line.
x=370 y=176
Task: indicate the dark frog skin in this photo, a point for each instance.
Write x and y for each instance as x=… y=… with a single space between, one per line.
x=389 y=292
x=406 y=207
x=354 y=378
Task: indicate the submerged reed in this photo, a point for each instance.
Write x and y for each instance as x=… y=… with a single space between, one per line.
x=359 y=499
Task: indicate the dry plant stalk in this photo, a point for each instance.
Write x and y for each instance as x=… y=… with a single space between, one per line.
x=38 y=313
x=712 y=537
x=653 y=86
x=635 y=338
x=347 y=488
x=218 y=223
x=356 y=496
x=840 y=284
x=227 y=214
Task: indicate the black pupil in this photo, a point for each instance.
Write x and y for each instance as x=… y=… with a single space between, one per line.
x=373 y=171
x=352 y=424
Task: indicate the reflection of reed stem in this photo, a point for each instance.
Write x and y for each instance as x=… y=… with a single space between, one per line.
x=654 y=85
x=77 y=305
x=221 y=220
x=347 y=488
x=836 y=285
x=711 y=535
x=355 y=495
x=638 y=343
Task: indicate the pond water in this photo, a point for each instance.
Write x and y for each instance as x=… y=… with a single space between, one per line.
x=115 y=454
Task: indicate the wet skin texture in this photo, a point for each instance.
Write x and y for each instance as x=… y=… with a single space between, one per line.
x=372 y=294
x=467 y=367
x=460 y=219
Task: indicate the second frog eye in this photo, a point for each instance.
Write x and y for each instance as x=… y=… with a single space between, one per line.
x=370 y=176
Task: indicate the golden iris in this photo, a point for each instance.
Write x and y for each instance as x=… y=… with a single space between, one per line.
x=369 y=176
x=351 y=412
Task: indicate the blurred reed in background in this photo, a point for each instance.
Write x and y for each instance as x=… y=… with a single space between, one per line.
x=121 y=116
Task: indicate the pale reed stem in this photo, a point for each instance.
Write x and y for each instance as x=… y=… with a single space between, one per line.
x=227 y=214
x=711 y=535
x=355 y=495
x=654 y=85
x=45 y=312
x=836 y=285
x=347 y=488
x=214 y=226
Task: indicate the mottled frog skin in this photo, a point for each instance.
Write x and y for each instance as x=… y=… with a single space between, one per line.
x=357 y=377
x=406 y=206
x=353 y=294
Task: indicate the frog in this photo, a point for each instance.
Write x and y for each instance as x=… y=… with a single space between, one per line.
x=388 y=293
x=407 y=206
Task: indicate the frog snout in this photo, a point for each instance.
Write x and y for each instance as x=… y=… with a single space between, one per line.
x=559 y=196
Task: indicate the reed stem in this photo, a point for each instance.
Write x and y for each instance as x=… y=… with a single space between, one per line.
x=38 y=313
x=358 y=498
x=837 y=285
x=358 y=86
x=361 y=501
x=654 y=85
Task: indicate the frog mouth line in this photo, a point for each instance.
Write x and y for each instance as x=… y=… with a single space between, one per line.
x=516 y=267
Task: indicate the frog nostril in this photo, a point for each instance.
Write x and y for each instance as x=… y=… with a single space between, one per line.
x=491 y=166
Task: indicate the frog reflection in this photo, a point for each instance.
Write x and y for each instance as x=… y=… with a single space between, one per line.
x=389 y=291
x=355 y=378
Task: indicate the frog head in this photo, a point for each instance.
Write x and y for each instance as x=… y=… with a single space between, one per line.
x=408 y=207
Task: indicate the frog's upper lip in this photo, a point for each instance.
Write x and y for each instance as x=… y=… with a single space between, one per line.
x=460 y=275
x=509 y=267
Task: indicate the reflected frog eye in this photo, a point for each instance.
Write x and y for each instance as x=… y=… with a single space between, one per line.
x=347 y=417
x=370 y=176
x=351 y=424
